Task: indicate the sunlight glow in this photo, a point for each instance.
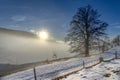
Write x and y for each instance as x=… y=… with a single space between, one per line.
x=43 y=35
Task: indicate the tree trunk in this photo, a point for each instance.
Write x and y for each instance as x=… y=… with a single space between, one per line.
x=87 y=47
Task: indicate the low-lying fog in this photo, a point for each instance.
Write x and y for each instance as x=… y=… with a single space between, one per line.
x=19 y=49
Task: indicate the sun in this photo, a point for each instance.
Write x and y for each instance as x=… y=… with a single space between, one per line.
x=43 y=35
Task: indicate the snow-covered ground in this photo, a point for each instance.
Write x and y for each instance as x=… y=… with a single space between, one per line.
x=50 y=71
x=103 y=71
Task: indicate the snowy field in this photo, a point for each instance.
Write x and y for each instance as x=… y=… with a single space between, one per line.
x=50 y=71
x=102 y=71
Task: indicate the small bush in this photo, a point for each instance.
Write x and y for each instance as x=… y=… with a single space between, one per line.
x=101 y=59
x=107 y=75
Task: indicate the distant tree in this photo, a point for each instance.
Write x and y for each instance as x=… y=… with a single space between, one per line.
x=86 y=27
x=106 y=45
x=102 y=44
x=116 y=41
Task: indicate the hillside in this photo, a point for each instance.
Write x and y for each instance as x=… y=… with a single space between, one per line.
x=104 y=71
x=58 y=70
x=17 y=33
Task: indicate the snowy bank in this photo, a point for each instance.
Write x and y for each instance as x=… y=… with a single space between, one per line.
x=103 y=71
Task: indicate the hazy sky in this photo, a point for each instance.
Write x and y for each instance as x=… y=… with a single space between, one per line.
x=54 y=15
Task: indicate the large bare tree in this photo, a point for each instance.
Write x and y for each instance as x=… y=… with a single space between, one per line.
x=85 y=28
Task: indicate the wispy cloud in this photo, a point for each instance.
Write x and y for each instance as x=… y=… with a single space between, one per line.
x=18 y=18
x=115 y=25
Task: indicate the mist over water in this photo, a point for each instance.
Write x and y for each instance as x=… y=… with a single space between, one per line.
x=19 y=50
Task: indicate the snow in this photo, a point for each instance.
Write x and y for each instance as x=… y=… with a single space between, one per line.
x=50 y=71
x=98 y=72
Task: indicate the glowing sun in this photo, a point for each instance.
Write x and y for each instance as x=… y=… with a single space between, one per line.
x=43 y=35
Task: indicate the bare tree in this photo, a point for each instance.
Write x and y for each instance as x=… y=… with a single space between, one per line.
x=105 y=44
x=116 y=41
x=86 y=27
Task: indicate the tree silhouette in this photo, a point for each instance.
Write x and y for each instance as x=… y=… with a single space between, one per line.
x=116 y=41
x=86 y=27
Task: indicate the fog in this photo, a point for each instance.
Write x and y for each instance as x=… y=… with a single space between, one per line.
x=17 y=48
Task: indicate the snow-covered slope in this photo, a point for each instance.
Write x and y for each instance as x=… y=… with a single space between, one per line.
x=20 y=47
x=103 y=71
x=49 y=71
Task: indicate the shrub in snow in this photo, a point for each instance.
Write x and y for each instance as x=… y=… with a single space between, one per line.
x=101 y=59
x=107 y=75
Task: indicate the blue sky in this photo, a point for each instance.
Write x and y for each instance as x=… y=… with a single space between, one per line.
x=55 y=15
